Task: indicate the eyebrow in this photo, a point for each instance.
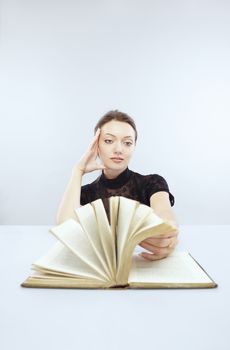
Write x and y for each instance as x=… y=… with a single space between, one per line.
x=125 y=137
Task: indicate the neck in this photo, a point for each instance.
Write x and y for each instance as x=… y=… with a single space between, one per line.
x=112 y=174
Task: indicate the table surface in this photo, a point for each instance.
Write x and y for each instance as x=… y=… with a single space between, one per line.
x=113 y=319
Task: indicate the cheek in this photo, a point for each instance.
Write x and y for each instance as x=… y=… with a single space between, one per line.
x=130 y=152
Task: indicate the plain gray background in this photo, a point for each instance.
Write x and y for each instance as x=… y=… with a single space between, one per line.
x=63 y=64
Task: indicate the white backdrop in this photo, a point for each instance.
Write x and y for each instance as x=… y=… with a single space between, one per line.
x=65 y=63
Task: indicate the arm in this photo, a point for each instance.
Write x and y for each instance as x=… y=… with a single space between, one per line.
x=160 y=247
x=161 y=205
x=72 y=195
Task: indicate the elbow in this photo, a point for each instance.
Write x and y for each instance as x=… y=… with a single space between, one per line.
x=60 y=219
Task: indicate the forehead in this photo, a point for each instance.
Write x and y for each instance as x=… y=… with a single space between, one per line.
x=118 y=129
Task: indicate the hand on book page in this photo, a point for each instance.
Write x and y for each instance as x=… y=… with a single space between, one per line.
x=135 y=222
x=160 y=246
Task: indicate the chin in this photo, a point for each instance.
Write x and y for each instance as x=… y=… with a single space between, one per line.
x=116 y=166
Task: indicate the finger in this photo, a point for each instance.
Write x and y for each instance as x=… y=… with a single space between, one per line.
x=93 y=145
x=152 y=257
x=156 y=250
x=95 y=139
x=159 y=242
x=173 y=243
x=93 y=150
x=97 y=134
x=167 y=235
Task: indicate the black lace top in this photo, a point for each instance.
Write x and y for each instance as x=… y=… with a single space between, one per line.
x=128 y=184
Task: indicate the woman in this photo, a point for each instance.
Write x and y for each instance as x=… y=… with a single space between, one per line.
x=114 y=143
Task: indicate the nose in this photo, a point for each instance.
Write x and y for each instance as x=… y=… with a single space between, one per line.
x=118 y=148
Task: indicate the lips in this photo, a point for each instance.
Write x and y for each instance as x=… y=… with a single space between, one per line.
x=116 y=158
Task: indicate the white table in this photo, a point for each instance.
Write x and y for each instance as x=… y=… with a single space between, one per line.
x=113 y=319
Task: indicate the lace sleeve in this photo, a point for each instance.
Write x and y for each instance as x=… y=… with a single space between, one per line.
x=84 y=195
x=157 y=183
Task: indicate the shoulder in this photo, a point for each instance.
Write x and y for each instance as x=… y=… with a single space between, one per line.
x=88 y=186
x=89 y=192
x=153 y=183
x=150 y=178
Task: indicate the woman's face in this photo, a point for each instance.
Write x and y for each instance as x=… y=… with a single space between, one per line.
x=116 y=145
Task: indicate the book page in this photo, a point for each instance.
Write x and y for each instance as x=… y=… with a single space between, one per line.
x=177 y=269
x=150 y=222
x=45 y=281
x=113 y=209
x=152 y=225
x=89 y=223
x=105 y=234
x=61 y=260
x=139 y=219
x=127 y=208
x=72 y=235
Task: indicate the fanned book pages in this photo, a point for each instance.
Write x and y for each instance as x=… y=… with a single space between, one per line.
x=94 y=252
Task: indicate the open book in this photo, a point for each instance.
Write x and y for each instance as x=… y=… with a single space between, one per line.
x=94 y=252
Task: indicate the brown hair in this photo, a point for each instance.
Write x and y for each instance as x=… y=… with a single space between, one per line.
x=116 y=115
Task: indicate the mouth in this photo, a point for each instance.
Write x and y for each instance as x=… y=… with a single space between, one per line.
x=117 y=159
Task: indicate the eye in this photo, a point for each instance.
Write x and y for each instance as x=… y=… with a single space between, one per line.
x=128 y=143
x=108 y=141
